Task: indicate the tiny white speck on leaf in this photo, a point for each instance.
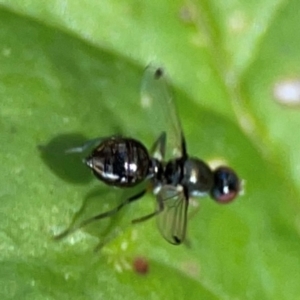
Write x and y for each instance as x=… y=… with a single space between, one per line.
x=146 y=101
x=124 y=245
x=217 y=162
x=287 y=92
x=237 y=21
x=6 y=52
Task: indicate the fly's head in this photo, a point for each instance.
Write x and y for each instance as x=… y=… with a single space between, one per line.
x=226 y=186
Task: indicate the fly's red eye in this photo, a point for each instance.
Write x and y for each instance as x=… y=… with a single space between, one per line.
x=226 y=185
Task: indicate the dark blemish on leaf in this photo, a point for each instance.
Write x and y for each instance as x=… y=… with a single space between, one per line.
x=158 y=73
x=141 y=265
x=13 y=130
x=188 y=14
x=176 y=239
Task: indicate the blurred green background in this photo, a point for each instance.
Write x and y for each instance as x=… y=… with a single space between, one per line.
x=71 y=70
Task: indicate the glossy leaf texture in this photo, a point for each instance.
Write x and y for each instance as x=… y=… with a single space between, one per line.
x=71 y=71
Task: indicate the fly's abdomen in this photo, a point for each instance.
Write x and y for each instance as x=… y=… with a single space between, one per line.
x=121 y=162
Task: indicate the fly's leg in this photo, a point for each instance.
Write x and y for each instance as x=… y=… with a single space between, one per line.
x=149 y=216
x=85 y=146
x=101 y=216
x=158 y=152
x=88 y=144
x=158 y=149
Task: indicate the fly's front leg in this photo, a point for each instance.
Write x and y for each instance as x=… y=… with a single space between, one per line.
x=158 y=149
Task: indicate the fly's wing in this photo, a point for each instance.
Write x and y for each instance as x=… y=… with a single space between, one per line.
x=172 y=220
x=160 y=111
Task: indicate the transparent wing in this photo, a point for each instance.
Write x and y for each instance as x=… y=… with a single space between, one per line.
x=160 y=111
x=172 y=220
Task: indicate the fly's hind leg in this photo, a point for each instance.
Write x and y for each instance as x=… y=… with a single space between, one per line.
x=101 y=216
x=158 y=210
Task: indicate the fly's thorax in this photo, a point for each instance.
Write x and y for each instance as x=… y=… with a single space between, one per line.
x=120 y=162
x=197 y=177
x=174 y=171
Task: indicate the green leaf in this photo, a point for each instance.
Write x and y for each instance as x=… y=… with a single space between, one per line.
x=71 y=71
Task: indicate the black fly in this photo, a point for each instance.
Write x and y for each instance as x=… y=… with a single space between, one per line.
x=173 y=175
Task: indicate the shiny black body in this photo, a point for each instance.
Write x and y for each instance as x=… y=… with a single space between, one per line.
x=125 y=162
x=120 y=162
